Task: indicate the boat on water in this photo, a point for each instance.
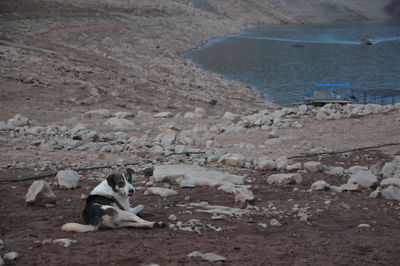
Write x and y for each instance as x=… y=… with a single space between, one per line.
x=366 y=41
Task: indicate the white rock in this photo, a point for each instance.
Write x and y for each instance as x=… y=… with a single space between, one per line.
x=364 y=179
x=187 y=183
x=163 y=192
x=189 y=115
x=363 y=226
x=265 y=163
x=10 y=256
x=40 y=193
x=335 y=189
x=213 y=257
x=228 y=187
x=391 y=181
x=124 y=115
x=195 y=254
x=275 y=222
x=100 y=113
x=376 y=193
x=164 y=115
x=67 y=179
x=65 y=242
x=167 y=138
x=200 y=175
x=18 y=121
x=263 y=225
x=313 y=167
x=355 y=169
x=282 y=163
x=119 y=123
x=243 y=194
x=232 y=117
x=391 y=193
x=294 y=167
x=319 y=185
x=200 y=112
x=350 y=187
x=294 y=178
x=389 y=169
x=236 y=160
x=336 y=170
x=172 y=217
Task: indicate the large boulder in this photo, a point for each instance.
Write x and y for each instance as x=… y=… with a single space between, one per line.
x=40 y=194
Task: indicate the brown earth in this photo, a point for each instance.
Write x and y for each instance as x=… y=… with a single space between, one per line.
x=59 y=59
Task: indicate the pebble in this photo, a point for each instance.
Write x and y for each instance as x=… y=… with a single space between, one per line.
x=275 y=222
x=363 y=226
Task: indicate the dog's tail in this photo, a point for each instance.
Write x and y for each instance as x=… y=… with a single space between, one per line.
x=79 y=228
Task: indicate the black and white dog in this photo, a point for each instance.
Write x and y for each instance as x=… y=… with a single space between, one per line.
x=108 y=206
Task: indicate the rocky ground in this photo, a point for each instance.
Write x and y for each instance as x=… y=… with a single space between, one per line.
x=102 y=84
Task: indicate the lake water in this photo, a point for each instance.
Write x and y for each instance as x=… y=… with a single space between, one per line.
x=284 y=62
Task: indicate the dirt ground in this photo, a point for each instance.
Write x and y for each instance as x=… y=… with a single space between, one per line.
x=60 y=59
x=330 y=236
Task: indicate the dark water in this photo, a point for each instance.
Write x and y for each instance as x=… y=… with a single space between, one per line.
x=265 y=58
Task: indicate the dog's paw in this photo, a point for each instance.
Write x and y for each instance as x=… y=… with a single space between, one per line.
x=159 y=224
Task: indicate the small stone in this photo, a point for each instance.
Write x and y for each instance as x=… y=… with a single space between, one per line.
x=363 y=226
x=263 y=225
x=391 y=193
x=195 y=254
x=213 y=257
x=10 y=256
x=313 y=167
x=242 y=195
x=350 y=187
x=172 y=217
x=1 y=244
x=65 y=242
x=275 y=222
x=236 y=160
x=376 y=193
x=163 y=192
x=285 y=179
x=119 y=123
x=124 y=115
x=101 y=113
x=319 y=185
x=364 y=179
x=335 y=189
x=67 y=179
x=40 y=194
x=164 y=115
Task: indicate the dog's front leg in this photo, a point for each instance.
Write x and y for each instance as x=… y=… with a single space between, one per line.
x=137 y=209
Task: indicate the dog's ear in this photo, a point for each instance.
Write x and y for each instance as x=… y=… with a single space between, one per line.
x=111 y=181
x=130 y=171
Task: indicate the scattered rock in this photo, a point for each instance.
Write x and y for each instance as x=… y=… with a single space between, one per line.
x=124 y=115
x=163 y=192
x=285 y=179
x=363 y=226
x=18 y=121
x=364 y=179
x=282 y=163
x=65 y=242
x=391 y=181
x=275 y=222
x=243 y=194
x=67 y=179
x=10 y=256
x=236 y=160
x=265 y=163
x=101 y=113
x=213 y=257
x=164 y=115
x=336 y=189
x=195 y=254
x=319 y=185
x=40 y=194
x=391 y=193
x=199 y=175
x=313 y=167
x=120 y=123
x=172 y=217
x=376 y=193
x=232 y=117
x=350 y=187
x=355 y=169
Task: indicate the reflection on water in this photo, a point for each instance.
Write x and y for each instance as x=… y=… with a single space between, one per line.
x=284 y=62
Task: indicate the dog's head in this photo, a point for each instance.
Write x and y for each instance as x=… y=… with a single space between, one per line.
x=121 y=183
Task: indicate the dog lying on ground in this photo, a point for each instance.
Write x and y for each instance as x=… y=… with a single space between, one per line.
x=108 y=206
